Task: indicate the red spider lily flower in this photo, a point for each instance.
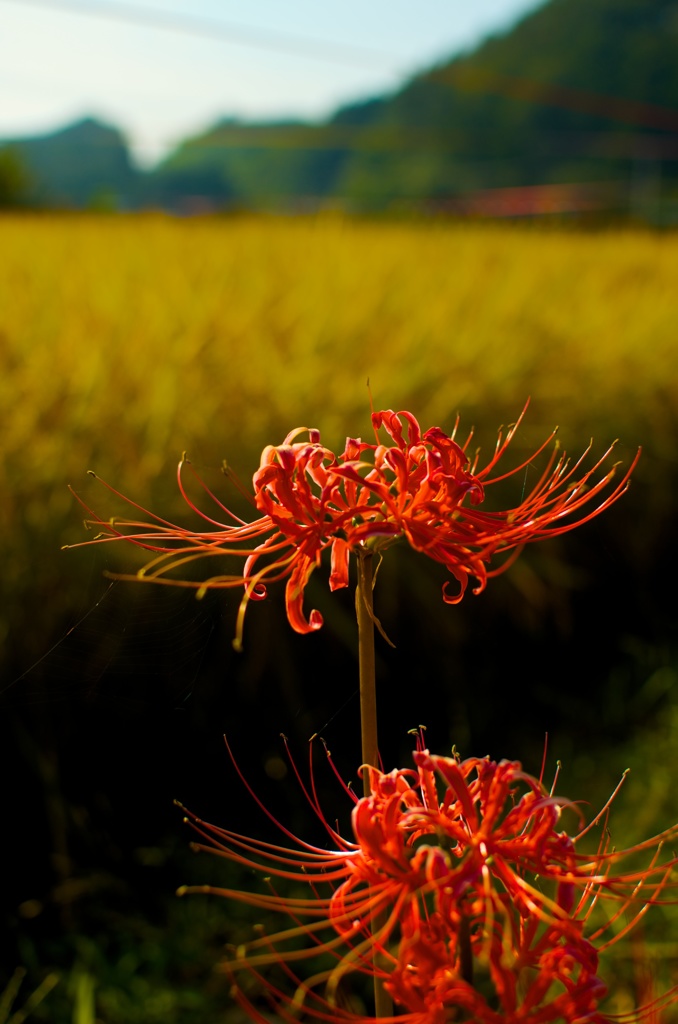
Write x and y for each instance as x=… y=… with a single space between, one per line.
x=421 y=487
x=457 y=890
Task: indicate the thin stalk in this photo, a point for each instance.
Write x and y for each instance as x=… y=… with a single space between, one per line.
x=366 y=665
x=383 y=1004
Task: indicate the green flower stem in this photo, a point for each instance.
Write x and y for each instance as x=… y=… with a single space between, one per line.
x=368 y=688
x=383 y=1004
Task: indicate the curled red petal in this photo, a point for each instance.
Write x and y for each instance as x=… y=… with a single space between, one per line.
x=339 y=571
x=294 y=598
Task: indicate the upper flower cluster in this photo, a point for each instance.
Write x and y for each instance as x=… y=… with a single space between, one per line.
x=423 y=487
x=459 y=891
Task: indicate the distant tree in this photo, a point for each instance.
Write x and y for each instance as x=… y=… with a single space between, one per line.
x=15 y=181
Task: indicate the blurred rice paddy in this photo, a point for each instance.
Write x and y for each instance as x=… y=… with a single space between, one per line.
x=124 y=341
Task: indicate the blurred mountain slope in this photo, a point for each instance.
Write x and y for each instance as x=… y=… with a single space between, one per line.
x=84 y=164
x=579 y=92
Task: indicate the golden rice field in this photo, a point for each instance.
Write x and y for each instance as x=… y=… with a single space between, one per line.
x=124 y=341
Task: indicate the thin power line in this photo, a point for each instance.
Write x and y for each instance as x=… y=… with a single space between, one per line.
x=473 y=78
x=234 y=33
x=459 y=77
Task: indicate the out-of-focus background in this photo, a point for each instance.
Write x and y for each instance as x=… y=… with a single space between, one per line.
x=216 y=226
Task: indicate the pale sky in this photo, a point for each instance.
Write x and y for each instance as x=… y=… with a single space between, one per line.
x=164 y=69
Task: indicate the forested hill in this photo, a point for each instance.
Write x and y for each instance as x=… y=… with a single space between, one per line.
x=86 y=163
x=579 y=93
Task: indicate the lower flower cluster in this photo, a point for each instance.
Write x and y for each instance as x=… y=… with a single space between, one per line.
x=458 y=892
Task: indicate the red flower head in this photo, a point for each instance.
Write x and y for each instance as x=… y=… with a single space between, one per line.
x=423 y=487
x=458 y=890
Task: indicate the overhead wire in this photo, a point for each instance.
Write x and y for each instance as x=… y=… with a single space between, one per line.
x=459 y=76
x=462 y=77
x=234 y=33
